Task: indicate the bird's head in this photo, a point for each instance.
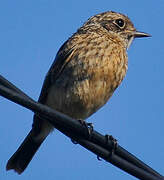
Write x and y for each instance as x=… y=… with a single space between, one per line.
x=116 y=24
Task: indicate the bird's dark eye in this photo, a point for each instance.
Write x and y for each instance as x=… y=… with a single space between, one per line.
x=120 y=22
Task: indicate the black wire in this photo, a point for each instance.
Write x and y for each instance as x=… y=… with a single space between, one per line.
x=11 y=86
x=72 y=128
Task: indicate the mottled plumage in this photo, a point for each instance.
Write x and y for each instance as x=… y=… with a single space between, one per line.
x=87 y=69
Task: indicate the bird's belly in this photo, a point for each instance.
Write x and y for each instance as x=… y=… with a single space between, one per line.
x=81 y=99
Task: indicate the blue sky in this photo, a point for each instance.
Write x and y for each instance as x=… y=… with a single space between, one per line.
x=31 y=32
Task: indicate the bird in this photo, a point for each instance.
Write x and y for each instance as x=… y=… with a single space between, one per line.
x=86 y=71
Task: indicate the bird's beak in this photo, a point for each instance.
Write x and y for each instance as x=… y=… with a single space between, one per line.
x=138 y=34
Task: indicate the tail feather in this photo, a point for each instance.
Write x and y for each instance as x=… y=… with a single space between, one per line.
x=22 y=157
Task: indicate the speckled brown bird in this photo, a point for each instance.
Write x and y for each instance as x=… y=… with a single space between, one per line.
x=87 y=69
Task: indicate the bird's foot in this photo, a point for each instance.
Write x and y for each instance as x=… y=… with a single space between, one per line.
x=89 y=126
x=114 y=144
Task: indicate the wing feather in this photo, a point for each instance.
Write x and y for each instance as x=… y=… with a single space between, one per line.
x=62 y=58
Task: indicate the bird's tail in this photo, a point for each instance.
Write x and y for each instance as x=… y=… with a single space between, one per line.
x=22 y=157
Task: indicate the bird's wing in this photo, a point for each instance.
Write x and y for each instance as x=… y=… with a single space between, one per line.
x=62 y=58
